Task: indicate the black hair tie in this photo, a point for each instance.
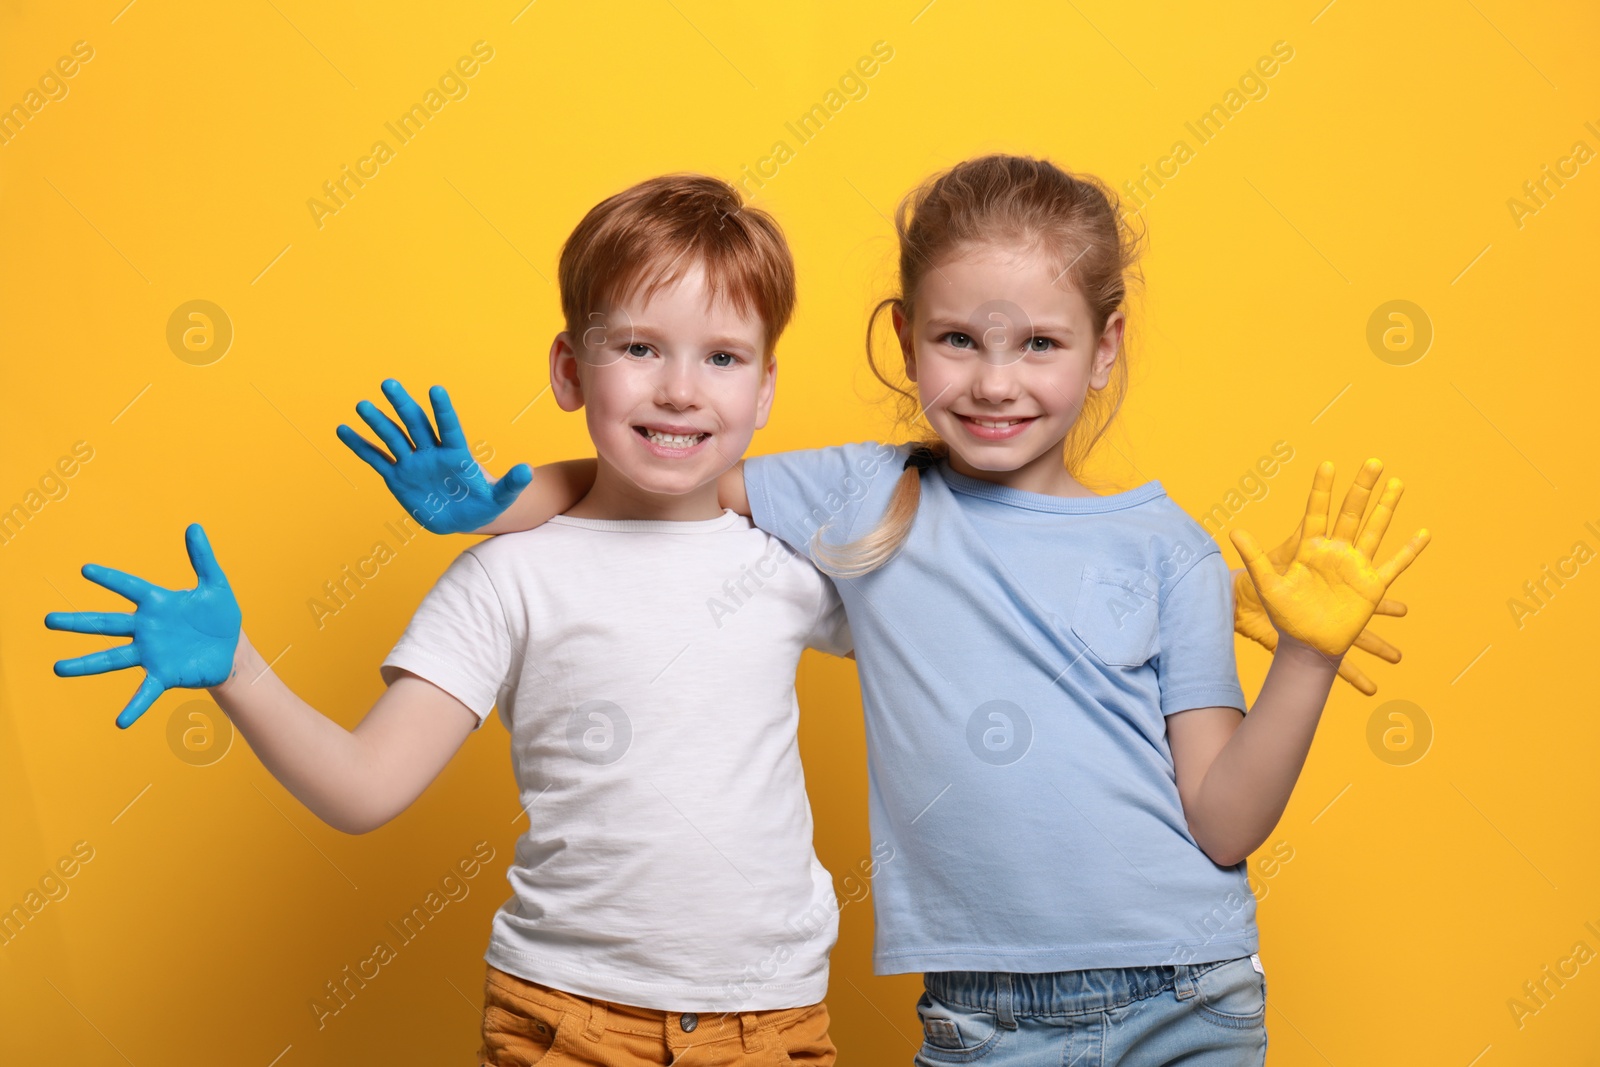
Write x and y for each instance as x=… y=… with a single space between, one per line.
x=921 y=458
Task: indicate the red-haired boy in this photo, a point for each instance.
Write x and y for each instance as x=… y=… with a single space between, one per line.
x=641 y=649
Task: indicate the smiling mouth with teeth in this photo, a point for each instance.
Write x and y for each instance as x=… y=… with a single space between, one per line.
x=670 y=440
x=995 y=424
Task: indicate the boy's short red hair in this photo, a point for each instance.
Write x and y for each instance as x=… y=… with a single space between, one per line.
x=645 y=236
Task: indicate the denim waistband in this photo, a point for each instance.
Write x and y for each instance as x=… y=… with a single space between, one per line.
x=1062 y=993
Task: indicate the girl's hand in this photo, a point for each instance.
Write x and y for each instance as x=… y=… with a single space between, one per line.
x=1329 y=586
x=1250 y=617
x=183 y=638
x=435 y=478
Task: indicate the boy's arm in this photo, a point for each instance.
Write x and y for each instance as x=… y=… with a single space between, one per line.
x=353 y=780
x=1235 y=775
x=434 y=476
x=191 y=639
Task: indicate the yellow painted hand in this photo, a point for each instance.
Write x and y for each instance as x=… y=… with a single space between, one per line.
x=1250 y=617
x=1320 y=587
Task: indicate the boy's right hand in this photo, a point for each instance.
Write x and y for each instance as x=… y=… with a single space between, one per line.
x=435 y=478
x=183 y=638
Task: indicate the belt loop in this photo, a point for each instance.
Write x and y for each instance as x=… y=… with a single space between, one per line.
x=1183 y=984
x=750 y=1028
x=597 y=1020
x=1002 y=1001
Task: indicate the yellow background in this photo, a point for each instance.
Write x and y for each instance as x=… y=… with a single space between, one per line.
x=1378 y=167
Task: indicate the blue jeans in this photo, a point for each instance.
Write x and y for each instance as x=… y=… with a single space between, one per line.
x=1199 y=1014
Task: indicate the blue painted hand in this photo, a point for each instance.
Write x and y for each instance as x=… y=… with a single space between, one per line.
x=435 y=478
x=183 y=638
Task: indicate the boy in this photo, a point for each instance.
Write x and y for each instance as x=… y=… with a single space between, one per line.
x=668 y=869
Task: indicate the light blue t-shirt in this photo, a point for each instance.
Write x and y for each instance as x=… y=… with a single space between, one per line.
x=1017 y=660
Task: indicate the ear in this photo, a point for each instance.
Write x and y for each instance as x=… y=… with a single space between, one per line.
x=769 y=388
x=1106 y=350
x=902 y=332
x=564 y=380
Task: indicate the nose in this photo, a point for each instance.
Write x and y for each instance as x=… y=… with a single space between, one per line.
x=676 y=386
x=995 y=378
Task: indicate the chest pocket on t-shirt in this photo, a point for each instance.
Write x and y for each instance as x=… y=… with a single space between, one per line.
x=1116 y=614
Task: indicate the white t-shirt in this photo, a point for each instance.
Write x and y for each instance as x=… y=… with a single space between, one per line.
x=645 y=671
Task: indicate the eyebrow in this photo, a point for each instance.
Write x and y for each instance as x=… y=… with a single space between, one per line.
x=652 y=333
x=976 y=328
x=733 y=342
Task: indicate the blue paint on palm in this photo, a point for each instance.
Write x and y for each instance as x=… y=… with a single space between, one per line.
x=434 y=477
x=183 y=638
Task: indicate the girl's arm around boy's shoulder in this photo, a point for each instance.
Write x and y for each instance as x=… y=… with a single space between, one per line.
x=432 y=472
x=793 y=494
x=794 y=477
x=556 y=487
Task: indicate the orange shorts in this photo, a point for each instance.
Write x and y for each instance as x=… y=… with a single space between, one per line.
x=525 y=1023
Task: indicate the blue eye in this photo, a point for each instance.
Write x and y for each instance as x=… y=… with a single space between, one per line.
x=638 y=350
x=723 y=355
x=1039 y=344
x=957 y=339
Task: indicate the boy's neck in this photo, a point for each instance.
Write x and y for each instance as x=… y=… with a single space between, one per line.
x=615 y=497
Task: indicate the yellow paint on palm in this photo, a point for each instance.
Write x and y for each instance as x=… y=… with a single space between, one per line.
x=1320 y=587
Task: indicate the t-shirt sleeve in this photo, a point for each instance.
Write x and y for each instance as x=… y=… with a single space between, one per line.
x=458 y=638
x=1195 y=664
x=831 y=634
x=795 y=494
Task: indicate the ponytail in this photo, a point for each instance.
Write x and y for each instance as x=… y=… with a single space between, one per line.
x=867 y=554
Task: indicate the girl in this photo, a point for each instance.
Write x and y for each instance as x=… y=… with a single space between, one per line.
x=1060 y=764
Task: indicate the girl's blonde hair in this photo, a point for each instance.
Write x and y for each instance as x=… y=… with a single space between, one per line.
x=993 y=200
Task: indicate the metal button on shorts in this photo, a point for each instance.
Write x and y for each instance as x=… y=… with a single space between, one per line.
x=688 y=1020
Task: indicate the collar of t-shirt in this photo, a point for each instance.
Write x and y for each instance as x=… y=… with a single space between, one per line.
x=728 y=520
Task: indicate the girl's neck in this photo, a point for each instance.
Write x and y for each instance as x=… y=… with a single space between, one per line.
x=1046 y=474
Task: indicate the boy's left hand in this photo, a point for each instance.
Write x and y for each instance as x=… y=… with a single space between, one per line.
x=1328 y=586
x=434 y=477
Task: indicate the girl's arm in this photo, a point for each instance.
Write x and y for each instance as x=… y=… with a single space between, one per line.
x=1235 y=774
x=354 y=781
x=558 y=486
